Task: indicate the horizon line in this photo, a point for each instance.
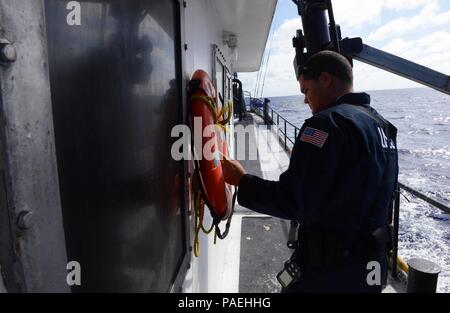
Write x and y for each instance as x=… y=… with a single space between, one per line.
x=368 y=90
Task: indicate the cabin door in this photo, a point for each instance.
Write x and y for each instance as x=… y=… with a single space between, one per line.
x=115 y=82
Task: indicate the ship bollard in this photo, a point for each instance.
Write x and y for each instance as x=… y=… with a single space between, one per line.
x=422 y=276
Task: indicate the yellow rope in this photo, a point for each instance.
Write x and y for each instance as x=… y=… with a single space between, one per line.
x=199 y=206
x=199 y=203
x=211 y=104
x=402 y=264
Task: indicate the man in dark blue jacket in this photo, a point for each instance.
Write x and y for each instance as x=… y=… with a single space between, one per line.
x=339 y=184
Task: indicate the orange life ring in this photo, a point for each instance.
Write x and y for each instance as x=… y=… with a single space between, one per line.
x=201 y=99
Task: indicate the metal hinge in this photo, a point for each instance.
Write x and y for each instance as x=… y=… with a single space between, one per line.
x=8 y=52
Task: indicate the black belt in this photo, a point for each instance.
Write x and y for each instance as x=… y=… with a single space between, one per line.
x=319 y=249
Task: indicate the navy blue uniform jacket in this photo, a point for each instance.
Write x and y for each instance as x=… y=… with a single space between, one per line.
x=342 y=172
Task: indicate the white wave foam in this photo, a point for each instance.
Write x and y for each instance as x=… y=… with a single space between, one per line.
x=425 y=233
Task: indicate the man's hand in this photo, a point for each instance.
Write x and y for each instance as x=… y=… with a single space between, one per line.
x=232 y=171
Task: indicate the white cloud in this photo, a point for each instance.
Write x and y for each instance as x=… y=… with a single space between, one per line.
x=432 y=50
x=283 y=35
x=370 y=78
x=280 y=77
x=354 y=14
x=357 y=13
x=405 y=4
x=429 y=16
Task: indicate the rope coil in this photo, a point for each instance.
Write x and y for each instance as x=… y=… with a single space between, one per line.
x=199 y=193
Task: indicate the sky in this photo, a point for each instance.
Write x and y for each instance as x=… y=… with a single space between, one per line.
x=418 y=30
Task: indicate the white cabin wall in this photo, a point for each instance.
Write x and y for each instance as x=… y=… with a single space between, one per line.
x=203 y=29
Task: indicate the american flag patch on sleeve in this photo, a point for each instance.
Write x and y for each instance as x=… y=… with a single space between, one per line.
x=314 y=136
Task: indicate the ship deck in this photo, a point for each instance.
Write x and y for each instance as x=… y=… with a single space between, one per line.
x=263 y=238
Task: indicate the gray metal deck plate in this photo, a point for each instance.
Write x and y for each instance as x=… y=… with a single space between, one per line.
x=263 y=253
x=251 y=166
x=263 y=239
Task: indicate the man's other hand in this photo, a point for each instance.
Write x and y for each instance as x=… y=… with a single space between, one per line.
x=232 y=171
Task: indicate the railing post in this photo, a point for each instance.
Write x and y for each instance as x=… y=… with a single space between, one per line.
x=265 y=112
x=295 y=132
x=278 y=125
x=285 y=135
x=395 y=232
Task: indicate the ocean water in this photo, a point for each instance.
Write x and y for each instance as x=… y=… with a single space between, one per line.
x=422 y=117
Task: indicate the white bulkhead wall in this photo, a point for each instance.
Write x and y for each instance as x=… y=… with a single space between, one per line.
x=202 y=30
x=217 y=268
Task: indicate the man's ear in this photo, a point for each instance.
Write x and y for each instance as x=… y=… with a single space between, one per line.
x=326 y=79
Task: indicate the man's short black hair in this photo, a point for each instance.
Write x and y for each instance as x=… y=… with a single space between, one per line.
x=330 y=62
